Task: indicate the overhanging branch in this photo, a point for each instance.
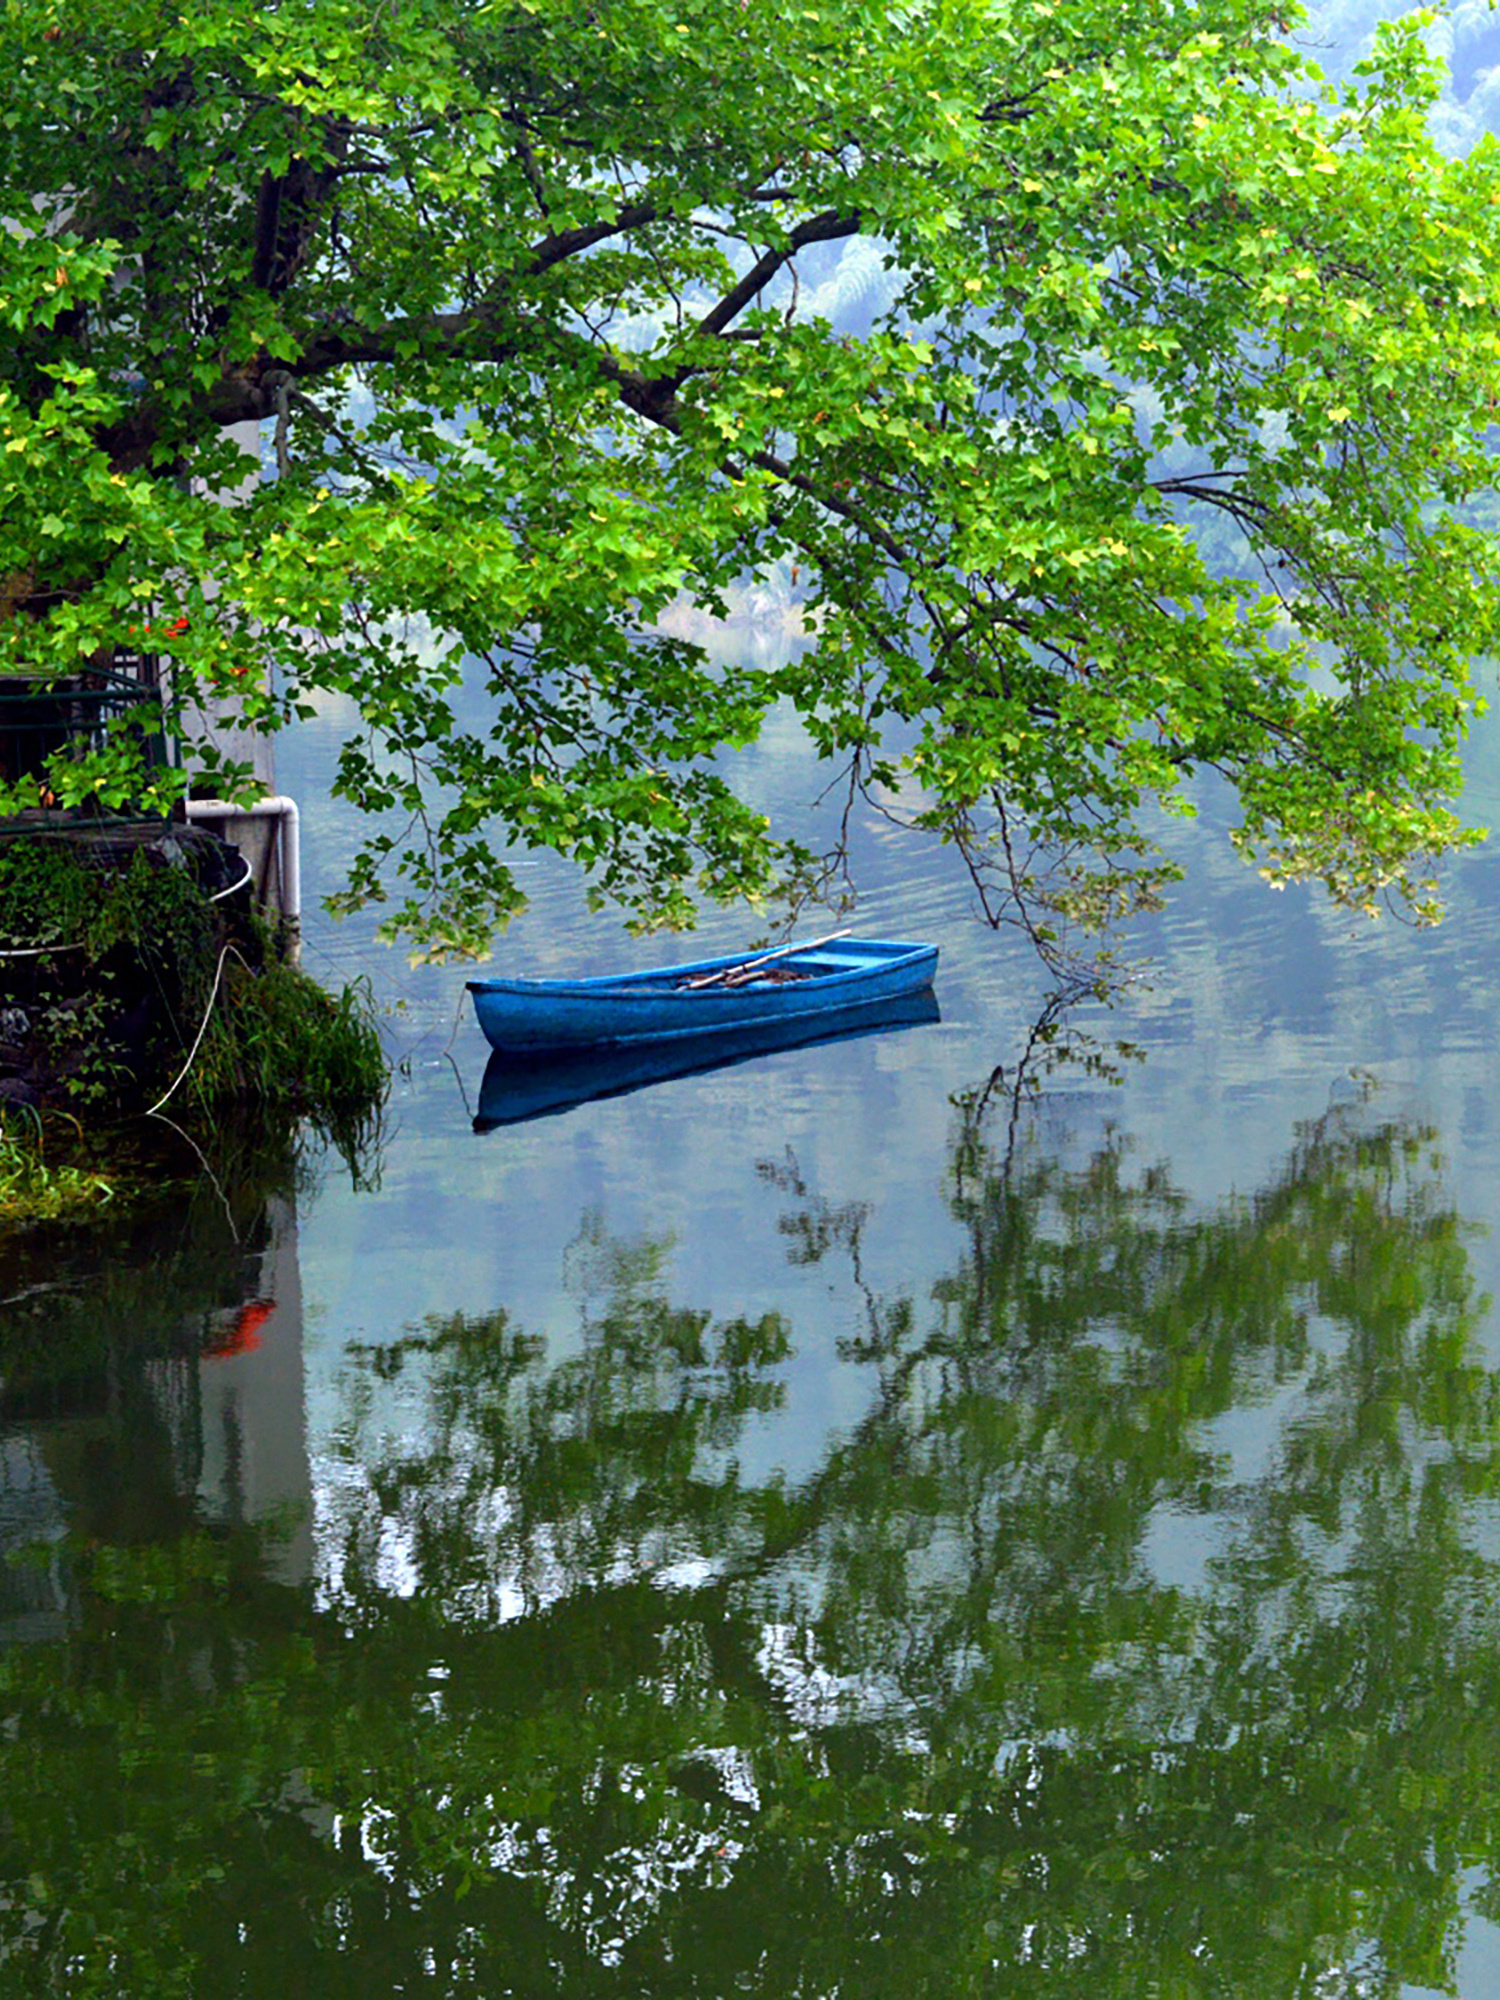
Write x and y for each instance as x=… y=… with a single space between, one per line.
x=825 y=228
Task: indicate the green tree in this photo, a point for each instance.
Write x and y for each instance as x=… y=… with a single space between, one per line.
x=530 y=302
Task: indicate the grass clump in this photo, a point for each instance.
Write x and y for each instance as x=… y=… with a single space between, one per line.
x=41 y=1181
x=277 y=1039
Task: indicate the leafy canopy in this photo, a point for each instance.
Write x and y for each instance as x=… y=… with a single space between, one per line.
x=1145 y=451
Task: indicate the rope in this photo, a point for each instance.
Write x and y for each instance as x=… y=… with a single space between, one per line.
x=202 y=1025
x=447 y=1049
x=172 y=1126
x=219 y=894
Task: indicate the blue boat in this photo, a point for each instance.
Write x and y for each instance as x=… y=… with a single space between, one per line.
x=708 y=997
x=518 y=1086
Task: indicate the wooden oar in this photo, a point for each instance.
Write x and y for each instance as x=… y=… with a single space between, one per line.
x=735 y=975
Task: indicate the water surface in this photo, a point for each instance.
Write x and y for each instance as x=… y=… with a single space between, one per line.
x=971 y=1509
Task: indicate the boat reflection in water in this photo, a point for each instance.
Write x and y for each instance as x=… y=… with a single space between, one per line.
x=518 y=1086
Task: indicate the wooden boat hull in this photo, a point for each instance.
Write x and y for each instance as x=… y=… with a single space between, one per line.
x=518 y=1086
x=657 y=1006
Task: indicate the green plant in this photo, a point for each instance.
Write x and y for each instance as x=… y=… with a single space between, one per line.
x=277 y=1039
x=36 y=1184
x=47 y=896
x=163 y=992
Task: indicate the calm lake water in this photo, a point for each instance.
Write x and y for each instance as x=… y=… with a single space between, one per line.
x=967 y=1510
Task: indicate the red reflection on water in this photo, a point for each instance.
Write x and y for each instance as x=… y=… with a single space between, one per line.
x=242 y=1335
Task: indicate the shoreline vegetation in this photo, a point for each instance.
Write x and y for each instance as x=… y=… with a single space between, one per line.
x=136 y=978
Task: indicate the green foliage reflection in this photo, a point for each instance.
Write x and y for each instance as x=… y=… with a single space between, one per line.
x=1138 y=1636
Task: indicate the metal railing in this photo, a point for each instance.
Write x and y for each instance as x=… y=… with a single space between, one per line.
x=40 y=717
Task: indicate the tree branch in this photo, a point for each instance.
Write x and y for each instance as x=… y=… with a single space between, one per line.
x=825 y=228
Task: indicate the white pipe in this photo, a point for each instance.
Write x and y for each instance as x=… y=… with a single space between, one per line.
x=284 y=811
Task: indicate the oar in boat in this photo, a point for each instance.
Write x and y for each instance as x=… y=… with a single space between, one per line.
x=736 y=975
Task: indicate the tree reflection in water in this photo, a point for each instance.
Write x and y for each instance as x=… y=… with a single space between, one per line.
x=1141 y=1635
